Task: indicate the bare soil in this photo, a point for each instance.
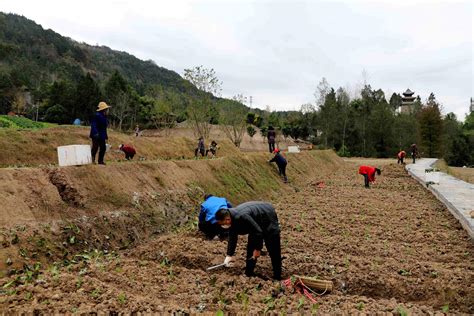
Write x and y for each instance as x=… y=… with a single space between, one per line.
x=391 y=248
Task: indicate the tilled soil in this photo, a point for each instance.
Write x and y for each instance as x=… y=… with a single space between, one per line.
x=391 y=248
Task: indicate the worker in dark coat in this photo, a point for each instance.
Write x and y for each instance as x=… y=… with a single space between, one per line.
x=369 y=174
x=414 y=152
x=212 y=149
x=129 y=151
x=200 y=148
x=207 y=216
x=271 y=136
x=281 y=163
x=98 y=132
x=259 y=221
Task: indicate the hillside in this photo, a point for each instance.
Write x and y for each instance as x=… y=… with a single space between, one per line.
x=33 y=55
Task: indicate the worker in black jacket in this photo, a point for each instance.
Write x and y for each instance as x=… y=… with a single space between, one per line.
x=259 y=220
x=281 y=163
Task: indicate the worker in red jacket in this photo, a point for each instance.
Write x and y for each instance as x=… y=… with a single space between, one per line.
x=369 y=174
x=401 y=155
x=128 y=150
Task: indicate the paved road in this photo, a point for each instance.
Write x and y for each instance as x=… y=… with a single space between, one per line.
x=456 y=194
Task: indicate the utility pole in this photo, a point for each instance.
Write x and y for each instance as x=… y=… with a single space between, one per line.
x=250 y=101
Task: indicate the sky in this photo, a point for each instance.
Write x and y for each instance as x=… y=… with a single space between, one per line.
x=278 y=51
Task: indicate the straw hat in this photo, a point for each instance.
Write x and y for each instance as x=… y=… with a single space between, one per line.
x=102 y=106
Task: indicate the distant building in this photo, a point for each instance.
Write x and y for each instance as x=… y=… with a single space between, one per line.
x=407 y=101
x=472 y=105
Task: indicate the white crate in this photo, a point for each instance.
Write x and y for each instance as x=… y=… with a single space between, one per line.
x=293 y=149
x=74 y=155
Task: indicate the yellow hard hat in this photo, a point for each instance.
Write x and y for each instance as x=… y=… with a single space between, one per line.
x=102 y=106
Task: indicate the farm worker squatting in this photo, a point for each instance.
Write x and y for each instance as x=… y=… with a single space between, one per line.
x=259 y=221
x=207 y=217
x=98 y=132
x=369 y=174
x=212 y=149
x=128 y=150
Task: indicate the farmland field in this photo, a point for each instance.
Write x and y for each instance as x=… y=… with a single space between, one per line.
x=391 y=248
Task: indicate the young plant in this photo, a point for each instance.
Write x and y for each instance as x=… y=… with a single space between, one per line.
x=301 y=303
x=314 y=308
x=122 y=298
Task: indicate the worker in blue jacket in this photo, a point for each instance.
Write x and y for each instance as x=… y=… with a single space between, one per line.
x=207 y=217
x=281 y=163
x=98 y=132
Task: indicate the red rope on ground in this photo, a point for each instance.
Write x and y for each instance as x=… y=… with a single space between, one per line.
x=300 y=288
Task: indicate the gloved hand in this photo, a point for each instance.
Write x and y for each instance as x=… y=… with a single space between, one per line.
x=228 y=261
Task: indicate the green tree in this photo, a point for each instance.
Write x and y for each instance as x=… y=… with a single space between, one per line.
x=456 y=144
x=6 y=92
x=251 y=131
x=57 y=114
x=381 y=126
x=202 y=111
x=431 y=127
x=88 y=96
x=122 y=99
x=234 y=120
x=327 y=117
x=395 y=101
x=250 y=118
x=343 y=107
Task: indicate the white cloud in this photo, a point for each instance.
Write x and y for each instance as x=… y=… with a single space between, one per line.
x=277 y=51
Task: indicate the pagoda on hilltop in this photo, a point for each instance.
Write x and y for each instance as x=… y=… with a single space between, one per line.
x=407 y=101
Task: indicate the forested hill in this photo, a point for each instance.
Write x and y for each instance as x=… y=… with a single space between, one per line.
x=31 y=55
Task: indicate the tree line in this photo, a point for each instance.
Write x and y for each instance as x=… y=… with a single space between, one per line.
x=370 y=126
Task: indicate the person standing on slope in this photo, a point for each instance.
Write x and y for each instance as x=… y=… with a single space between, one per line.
x=271 y=136
x=98 y=132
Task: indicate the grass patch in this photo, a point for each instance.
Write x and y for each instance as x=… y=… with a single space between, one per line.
x=18 y=122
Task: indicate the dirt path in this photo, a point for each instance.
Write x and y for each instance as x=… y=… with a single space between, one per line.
x=393 y=248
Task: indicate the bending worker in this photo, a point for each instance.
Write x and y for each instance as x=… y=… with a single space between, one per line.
x=401 y=155
x=369 y=174
x=281 y=163
x=259 y=221
x=128 y=150
x=207 y=217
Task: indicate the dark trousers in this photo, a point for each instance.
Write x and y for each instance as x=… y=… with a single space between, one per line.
x=413 y=155
x=98 y=144
x=366 y=180
x=272 y=242
x=211 y=230
x=271 y=146
x=400 y=160
x=129 y=156
x=200 y=150
x=212 y=151
x=282 y=171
